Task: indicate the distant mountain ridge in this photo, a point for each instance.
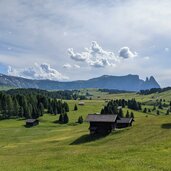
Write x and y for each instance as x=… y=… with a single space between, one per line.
x=127 y=82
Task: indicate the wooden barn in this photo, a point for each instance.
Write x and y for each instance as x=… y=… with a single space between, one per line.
x=32 y=122
x=102 y=123
x=124 y=122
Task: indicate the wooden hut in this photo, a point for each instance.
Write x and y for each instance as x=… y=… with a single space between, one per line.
x=31 y=122
x=81 y=103
x=124 y=122
x=100 y=124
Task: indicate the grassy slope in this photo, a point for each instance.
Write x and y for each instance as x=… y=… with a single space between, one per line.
x=49 y=146
x=4 y=88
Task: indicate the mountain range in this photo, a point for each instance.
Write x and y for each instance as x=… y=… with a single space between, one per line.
x=127 y=82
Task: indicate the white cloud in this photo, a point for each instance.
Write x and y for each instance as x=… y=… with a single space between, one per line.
x=69 y=66
x=97 y=57
x=76 y=56
x=125 y=52
x=42 y=71
x=76 y=66
x=94 y=56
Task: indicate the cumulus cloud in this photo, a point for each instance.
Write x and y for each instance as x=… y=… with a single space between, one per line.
x=94 y=56
x=38 y=71
x=76 y=56
x=97 y=57
x=125 y=52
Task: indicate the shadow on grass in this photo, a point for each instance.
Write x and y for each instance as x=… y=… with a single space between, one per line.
x=166 y=126
x=88 y=138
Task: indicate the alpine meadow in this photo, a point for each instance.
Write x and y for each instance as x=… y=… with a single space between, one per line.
x=85 y=85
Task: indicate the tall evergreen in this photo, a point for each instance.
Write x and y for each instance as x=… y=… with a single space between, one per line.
x=127 y=114
x=75 y=107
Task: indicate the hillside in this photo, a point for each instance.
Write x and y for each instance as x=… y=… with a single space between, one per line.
x=127 y=83
x=146 y=146
x=53 y=146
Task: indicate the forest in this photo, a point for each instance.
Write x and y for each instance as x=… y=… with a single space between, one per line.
x=29 y=105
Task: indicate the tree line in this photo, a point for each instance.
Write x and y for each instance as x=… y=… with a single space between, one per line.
x=115 y=107
x=154 y=90
x=29 y=105
x=61 y=94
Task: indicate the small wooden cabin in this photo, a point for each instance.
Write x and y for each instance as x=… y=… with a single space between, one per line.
x=31 y=122
x=124 y=122
x=81 y=103
x=102 y=123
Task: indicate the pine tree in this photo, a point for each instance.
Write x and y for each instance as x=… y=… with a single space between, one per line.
x=10 y=106
x=66 y=106
x=75 y=107
x=145 y=110
x=132 y=115
x=80 y=120
x=21 y=112
x=41 y=107
x=149 y=110
x=16 y=108
x=61 y=120
x=66 y=119
x=127 y=114
x=158 y=112
x=167 y=112
x=120 y=114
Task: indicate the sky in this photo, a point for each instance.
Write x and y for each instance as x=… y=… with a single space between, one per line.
x=81 y=39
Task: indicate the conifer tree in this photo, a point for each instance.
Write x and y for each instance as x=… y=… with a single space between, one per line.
x=145 y=110
x=132 y=115
x=120 y=114
x=127 y=114
x=80 y=120
x=75 y=107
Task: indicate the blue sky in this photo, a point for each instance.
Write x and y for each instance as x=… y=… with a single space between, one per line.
x=73 y=39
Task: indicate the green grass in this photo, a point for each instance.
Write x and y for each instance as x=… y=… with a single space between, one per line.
x=144 y=147
x=5 y=88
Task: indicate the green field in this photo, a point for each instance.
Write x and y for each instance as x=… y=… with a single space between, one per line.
x=50 y=146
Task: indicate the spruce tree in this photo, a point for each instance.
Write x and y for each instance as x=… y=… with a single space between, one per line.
x=145 y=110
x=127 y=114
x=75 y=107
x=158 y=112
x=120 y=114
x=10 y=106
x=16 y=108
x=132 y=115
x=66 y=119
x=80 y=120
x=167 y=112
x=21 y=112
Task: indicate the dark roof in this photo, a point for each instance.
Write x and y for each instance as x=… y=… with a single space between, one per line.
x=102 y=118
x=125 y=120
x=31 y=120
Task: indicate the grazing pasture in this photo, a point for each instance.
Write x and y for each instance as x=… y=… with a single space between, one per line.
x=52 y=146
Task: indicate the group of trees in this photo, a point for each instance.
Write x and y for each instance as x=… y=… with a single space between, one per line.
x=115 y=107
x=133 y=104
x=61 y=94
x=29 y=105
x=154 y=90
x=160 y=104
x=57 y=107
